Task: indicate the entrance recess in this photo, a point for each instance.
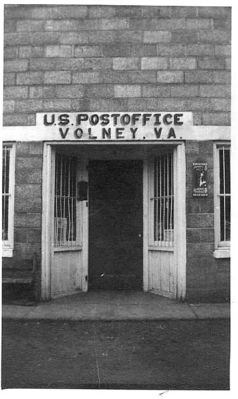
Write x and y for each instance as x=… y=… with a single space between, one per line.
x=115 y=224
x=113 y=238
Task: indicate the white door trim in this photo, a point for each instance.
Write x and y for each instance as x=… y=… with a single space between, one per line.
x=46 y=235
x=180 y=221
x=145 y=226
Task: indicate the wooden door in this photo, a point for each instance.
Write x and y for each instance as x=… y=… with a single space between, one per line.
x=69 y=262
x=162 y=267
x=115 y=225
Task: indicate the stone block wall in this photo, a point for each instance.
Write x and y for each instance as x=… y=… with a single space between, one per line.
x=27 y=206
x=207 y=277
x=117 y=58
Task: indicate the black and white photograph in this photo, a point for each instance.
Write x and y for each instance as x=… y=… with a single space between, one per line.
x=116 y=197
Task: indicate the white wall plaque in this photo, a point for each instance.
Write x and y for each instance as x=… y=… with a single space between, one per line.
x=114 y=127
x=100 y=126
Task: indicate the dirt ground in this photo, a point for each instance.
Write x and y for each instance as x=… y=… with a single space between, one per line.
x=191 y=354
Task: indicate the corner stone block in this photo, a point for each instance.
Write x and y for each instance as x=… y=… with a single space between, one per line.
x=15 y=92
x=122 y=63
x=85 y=77
x=88 y=51
x=8 y=106
x=29 y=51
x=29 y=78
x=157 y=36
x=33 y=162
x=109 y=105
x=57 y=105
x=156 y=63
x=28 y=198
x=42 y=92
x=127 y=91
x=71 y=91
x=32 y=148
x=182 y=63
x=60 y=12
x=200 y=220
x=28 y=105
x=10 y=52
x=57 y=77
x=30 y=25
x=28 y=176
x=58 y=51
x=9 y=79
x=193 y=235
x=217 y=118
x=170 y=77
x=207 y=235
x=15 y=65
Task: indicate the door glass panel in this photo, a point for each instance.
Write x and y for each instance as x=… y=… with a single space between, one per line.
x=65 y=201
x=164 y=200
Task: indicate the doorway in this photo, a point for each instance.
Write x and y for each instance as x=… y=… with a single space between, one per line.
x=115 y=225
x=67 y=270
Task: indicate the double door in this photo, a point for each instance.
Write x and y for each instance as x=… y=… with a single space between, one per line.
x=127 y=230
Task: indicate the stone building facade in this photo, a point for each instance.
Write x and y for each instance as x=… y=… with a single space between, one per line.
x=83 y=59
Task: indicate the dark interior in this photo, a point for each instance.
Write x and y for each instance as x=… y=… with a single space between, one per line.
x=115 y=225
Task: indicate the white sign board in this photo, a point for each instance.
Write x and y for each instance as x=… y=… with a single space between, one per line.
x=127 y=128
x=98 y=126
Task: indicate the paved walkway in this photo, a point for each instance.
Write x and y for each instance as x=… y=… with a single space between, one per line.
x=116 y=306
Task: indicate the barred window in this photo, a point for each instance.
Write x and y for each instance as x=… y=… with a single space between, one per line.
x=224 y=195
x=164 y=200
x=65 y=201
x=5 y=191
x=8 y=160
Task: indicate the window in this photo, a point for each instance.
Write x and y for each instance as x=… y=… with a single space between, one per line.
x=8 y=165
x=65 y=201
x=163 y=200
x=222 y=199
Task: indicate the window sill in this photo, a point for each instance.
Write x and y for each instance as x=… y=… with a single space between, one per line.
x=7 y=252
x=221 y=253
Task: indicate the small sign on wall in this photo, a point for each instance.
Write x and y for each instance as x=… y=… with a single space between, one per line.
x=200 y=179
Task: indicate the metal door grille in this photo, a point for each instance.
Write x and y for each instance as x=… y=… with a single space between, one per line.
x=65 y=201
x=224 y=193
x=164 y=200
x=5 y=191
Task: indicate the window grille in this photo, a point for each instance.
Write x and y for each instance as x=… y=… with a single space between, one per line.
x=164 y=200
x=6 y=195
x=224 y=193
x=65 y=201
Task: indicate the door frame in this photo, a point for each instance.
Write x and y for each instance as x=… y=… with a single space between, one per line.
x=47 y=228
x=180 y=220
